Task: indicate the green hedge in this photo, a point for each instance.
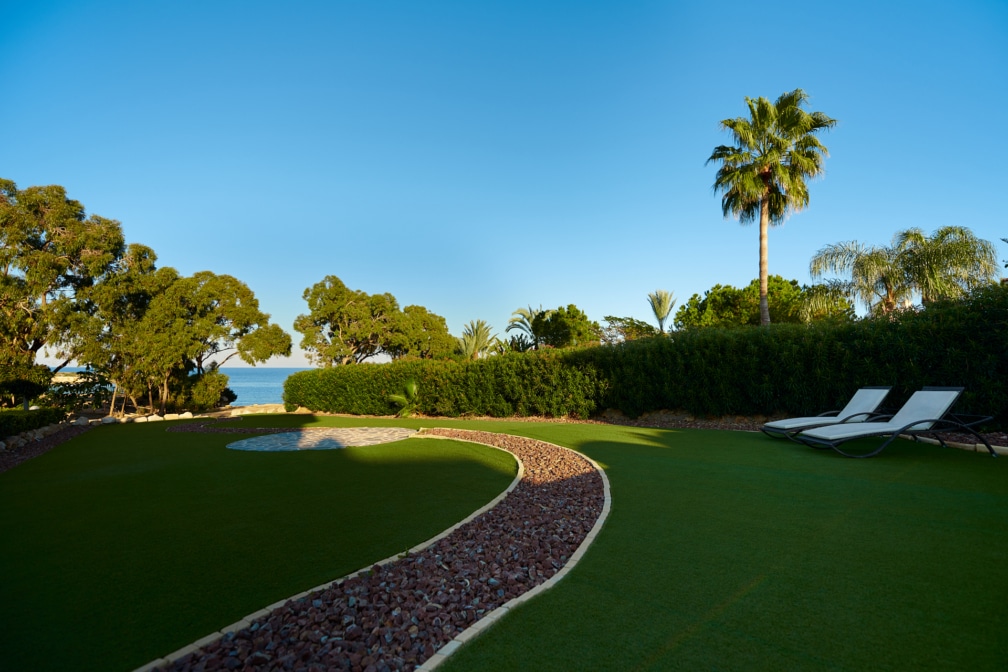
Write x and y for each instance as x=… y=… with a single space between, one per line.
x=784 y=369
x=533 y=384
x=799 y=370
x=14 y=422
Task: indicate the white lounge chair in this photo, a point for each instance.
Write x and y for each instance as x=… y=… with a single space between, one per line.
x=862 y=407
x=927 y=411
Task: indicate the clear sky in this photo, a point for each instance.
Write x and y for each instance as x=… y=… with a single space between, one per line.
x=478 y=157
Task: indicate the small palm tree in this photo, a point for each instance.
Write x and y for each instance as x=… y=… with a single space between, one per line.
x=762 y=176
x=661 y=304
x=408 y=400
x=476 y=339
x=948 y=263
x=876 y=277
x=521 y=321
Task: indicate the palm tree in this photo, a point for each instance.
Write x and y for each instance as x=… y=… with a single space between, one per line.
x=876 y=276
x=945 y=265
x=521 y=321
x=476 y=339
x=763 y=175
x=661 y=304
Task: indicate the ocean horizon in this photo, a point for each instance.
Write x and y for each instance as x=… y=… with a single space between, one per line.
x=253 y=385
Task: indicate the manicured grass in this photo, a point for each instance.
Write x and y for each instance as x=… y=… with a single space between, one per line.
x=723 y=550
x=129 y=541
x=733 y=551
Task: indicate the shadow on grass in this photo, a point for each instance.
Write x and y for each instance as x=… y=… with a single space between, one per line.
x=130 y=541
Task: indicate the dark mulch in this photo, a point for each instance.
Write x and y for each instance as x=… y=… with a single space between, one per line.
x=11 y=458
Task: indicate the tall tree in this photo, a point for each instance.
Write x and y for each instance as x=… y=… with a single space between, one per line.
x=343 y=325
x=49 y=251
x=945 y=265
x=762 y=176
x=221 y=317
x=421 y=334
x=661 y=302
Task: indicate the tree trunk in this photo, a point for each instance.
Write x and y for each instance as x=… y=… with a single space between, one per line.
x=111 y=406
x=764 y=227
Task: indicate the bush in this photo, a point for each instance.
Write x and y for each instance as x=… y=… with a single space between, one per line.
x=538 y=384
x=15 y=422
x=205 y=391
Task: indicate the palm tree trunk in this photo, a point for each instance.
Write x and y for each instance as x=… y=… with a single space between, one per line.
x=764 y=227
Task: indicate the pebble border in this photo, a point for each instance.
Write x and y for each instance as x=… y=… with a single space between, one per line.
x=490 y=618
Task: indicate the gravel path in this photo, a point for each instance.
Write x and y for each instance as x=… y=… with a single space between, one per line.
x=399 y=614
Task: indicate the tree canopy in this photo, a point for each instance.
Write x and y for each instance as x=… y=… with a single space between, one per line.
x=620 y=329
x=762 y=176
x=49 y=251
x=728 y=306
x=349 y=326
x=566 y=327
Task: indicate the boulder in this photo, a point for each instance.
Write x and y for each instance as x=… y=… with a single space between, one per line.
x=81 y=421
x=154 y=418
x=110 y=420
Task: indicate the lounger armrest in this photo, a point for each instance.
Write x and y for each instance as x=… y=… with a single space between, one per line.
x=829 y=414
x=864 y=417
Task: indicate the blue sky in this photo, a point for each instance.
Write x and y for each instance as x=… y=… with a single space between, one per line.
x=478 y=157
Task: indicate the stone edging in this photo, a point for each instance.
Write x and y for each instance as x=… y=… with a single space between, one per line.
x=478 y=627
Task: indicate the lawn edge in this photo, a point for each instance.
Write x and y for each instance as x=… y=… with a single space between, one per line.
x=266 y=611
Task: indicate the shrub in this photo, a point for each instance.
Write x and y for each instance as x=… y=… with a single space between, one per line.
x=15 y=422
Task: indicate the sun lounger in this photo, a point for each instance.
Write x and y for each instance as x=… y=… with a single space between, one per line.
x=926 y=412
x=862 y=407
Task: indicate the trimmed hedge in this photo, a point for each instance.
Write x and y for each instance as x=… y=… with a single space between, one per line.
x=15 y=422
x=533 y=384
x=785 y=369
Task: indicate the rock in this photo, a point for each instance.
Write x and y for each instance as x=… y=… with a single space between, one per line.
x=186 y=415
x=110 y=420
x=140 y=418
x=171 y=416
x=154 y=418
x=81 y=421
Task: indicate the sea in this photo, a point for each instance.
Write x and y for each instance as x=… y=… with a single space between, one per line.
x=253 y=385
x=257 y=385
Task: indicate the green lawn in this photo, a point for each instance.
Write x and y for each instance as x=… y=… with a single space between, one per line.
x=723 y=550
x=733 y=551
x=130 y=542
